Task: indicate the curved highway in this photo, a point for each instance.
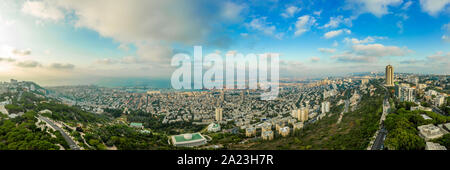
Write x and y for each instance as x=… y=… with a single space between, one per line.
x=66 y=137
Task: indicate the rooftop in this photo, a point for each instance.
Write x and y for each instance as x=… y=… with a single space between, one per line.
x=434 y=146
x=134 y=124
x=188 y=137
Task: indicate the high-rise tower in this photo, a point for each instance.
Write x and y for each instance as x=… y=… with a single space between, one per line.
x=219 y=114
x=389 y=75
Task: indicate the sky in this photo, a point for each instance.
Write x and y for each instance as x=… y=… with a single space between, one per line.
x=68 y=42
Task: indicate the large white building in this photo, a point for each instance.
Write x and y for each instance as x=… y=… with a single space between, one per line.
x=188 y=140
x=431 y=93
x=405 y=93
x=429 y=132
x=413 y=80
x=213 y=127
x=439 y=100
x=434 y=146
x=325 y=107
x=301 y=114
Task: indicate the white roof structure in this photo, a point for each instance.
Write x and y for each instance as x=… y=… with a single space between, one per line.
x=434 y=146
x=426 y=117
x=430 y=131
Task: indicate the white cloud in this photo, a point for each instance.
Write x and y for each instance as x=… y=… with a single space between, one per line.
x=7 y=22
x=433 y=7
x=404 y=16
x=446 y=27
x=290 y=11
x=406 y=5
x=445 y=38
x=135 y=20
x=129 y=60
x=19 y=52
x=335 y=33
x=399 y=25
x=148 y=52
x=336 y=21
x=260 y=24
x=105 y=61
x=375 y=7
x=146 y=22
x=9 y=60
x=315 y=59
x=9 y=51
x=279 y=36
x=303 y=24
x=47 y=52
x=352 y=57
x=439 y=61
x=61 y=66
x=335 y=44
x=379 y=50
x=291 y=67
x=232 y=11
x=231 y=52
x=368 y=39
x=317 y=13
x=28 y=64
x=43 y=10
x=370 y=53
x=327 y=50
x=440 y=57
x=124 y=47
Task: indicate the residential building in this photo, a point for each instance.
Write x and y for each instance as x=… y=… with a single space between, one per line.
x=439 y=100
x=325 y=107
x=219 y=114
x=301 y=114
x=251 y=131
x=298 y=125
x=284 y=131
x=267 y=135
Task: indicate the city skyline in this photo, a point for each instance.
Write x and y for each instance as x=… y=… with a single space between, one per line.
x=71 y=42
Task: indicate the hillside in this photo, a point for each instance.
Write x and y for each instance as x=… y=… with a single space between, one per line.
x=352 y=133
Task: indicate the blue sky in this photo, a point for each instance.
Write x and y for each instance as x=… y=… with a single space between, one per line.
x=78 y=41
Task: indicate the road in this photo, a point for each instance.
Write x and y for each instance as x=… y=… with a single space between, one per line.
x=378 y=144
x=379 y=140
x=66 y=137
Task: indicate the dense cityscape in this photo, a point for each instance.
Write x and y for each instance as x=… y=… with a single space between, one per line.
x=228 y=75
x=251 y=84
x=93 y=117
